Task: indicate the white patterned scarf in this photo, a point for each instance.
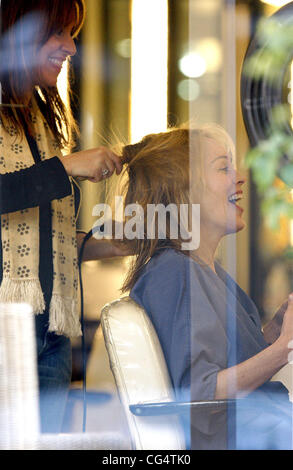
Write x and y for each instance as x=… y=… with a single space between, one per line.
x=20 y=238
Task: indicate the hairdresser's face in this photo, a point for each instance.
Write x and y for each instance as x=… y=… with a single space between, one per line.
x=219 y=202
x=51 y=56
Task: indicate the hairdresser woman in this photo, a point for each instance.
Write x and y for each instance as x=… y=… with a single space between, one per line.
x=39 y=199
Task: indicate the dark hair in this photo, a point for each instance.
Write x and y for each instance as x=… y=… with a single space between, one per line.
x=25 y=25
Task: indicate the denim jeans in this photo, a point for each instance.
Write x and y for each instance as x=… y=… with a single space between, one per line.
x=54 y=373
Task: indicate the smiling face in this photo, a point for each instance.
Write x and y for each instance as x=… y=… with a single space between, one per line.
x=221 y=193
x=31 y=32
x=51 y=56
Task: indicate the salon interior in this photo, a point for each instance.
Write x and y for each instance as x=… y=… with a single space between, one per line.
x=142 y=66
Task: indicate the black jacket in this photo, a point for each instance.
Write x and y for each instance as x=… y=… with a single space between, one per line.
x=35 y=186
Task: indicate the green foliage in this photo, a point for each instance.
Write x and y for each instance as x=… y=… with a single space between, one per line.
x=273 y=157
x=278 y=41
x=289 y=253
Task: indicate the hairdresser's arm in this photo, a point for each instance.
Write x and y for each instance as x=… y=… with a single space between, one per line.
x=39 y=184
x=97 y=249
x=251 y=374
x=48 y=180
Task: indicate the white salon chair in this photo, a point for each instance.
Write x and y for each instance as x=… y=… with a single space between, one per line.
x=140 y=373
x=142 y=379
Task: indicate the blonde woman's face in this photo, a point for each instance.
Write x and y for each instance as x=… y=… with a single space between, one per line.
x=222 y=191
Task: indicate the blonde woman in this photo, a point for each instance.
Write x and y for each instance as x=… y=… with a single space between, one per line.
x=209 y=329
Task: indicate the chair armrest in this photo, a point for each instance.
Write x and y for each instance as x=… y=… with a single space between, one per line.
x=173 y=407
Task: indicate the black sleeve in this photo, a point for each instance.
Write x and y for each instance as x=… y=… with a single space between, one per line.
x=39 y=184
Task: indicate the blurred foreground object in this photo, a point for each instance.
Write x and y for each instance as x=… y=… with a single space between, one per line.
x=266 y=106
x=19 y=413
x=19 y=396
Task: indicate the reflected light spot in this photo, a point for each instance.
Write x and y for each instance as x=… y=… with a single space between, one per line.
x=210 y=49
x=192 y=65
x=123 y=48
x=188 y=89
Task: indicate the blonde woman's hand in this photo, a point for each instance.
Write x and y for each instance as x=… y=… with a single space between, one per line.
x=286 y=335
x=94 y=165
x=273 y=328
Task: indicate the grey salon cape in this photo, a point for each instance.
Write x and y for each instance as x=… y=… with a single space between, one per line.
x=205 y=323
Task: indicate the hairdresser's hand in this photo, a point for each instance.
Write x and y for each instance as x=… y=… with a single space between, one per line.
x=94 y=164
